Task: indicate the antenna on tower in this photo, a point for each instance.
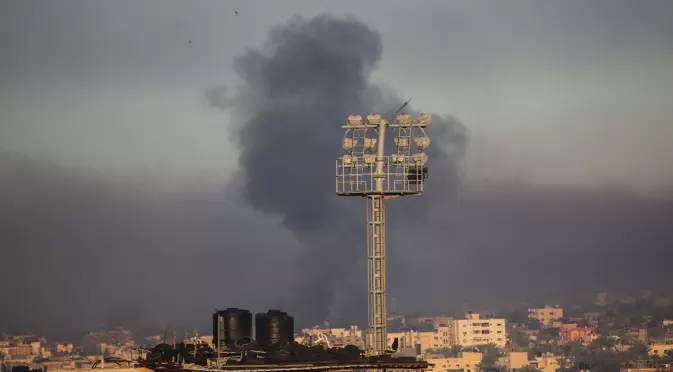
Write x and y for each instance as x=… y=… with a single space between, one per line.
x=403 y=106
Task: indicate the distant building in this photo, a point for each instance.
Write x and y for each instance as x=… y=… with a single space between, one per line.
x=64 y=347
x=472 y=331
x=660 y=349
x=546 y=363
x=548 y=316
x=571 y=332
x=475 y=331
x=468 y=362
x=514 y=360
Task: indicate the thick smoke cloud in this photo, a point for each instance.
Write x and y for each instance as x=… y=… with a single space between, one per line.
x=80 y=252
x=296 y=93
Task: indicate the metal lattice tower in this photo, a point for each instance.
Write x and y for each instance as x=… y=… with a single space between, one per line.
x=366 y=170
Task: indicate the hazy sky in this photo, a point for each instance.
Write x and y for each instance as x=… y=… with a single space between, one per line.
x=568 y=103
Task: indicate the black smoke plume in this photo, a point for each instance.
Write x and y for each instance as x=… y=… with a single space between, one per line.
x=79 y=253
x=296 y=93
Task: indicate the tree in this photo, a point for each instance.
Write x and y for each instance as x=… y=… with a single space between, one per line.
x=669 y=353
x=533 y=324
x=655 y=332
x=603 y=343
x=600 y=357
x=528 y=369
x=639 y=351
x=540 y=349
x=571 y=350
x=519 y=337
x=548 y=334
x=490 y=355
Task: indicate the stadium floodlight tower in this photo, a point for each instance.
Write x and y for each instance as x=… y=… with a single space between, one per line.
x=366 y=170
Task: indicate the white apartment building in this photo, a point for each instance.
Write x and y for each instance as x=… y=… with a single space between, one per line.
x=475 y=331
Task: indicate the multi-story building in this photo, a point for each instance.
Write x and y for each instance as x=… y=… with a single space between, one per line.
x=471 y=331
x=474 y=331
x=548 y=316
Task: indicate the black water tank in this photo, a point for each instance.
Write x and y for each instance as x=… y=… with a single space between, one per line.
x=236 y=323
x=273 y=329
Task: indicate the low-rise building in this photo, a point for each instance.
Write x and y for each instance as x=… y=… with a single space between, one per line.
x=466 y=361
x=64 y=347
x=660 y=349
x=513 y=360
x=571 y=332
x=440 y=338
x=548 y=316
x=546 y=363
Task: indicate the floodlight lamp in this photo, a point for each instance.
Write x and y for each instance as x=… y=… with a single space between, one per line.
x=370 y=144
x=397 y=158
x=420 y=158
x=401 y=142
x=423 y=119
x=349 y=143
x=422 y=142
x=355 y=120
x=403 y=119
x=348 y=160
x=374 y=119
x=369 y=158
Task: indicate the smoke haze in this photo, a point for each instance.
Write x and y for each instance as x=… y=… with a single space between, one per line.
x=117 y=207
x=312 y=73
